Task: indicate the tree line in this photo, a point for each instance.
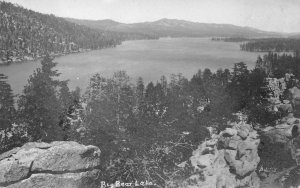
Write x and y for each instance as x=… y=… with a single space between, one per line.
x=143 y=130
x=271 y=45
x=277 y=65
x=264 y=44
x=230 y=39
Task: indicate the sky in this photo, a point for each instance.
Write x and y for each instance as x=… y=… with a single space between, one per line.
x=269 y=15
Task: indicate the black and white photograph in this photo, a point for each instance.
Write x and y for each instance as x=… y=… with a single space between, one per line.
x=150 y=93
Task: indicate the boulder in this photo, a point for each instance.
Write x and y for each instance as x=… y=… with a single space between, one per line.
x=233 y=144
x=297 y=107
x=56 y=164
x=228 y=132
x=67 y=180
x=243 y=133
x=244 y=130
x=295 y=99
x=12 y=171
x=282 y=133
x=285 y=108
x=246 y=146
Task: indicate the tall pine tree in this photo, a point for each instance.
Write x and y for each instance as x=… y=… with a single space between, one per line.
x=7 y=110
x=39 y=105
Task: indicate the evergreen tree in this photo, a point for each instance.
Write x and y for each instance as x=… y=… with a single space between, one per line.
x=197 y=92
x=68 y=107
x=226 y=77
x=140 y=91
x=100 y=112
x=65 y=96
x=239 y=86
x=122 y=96
x=7 y=110
x=39 y=105
x=164 y=84
x=150 y=94
x=207 y=75
x=109 y=109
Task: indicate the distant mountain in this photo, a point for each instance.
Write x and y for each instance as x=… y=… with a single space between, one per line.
x=109 y=25
x=177 y=28
x=101 y=24
x=26 y=35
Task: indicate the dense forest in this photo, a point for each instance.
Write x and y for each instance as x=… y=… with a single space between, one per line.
x=276 y=65
x=144 y=129
x=230 y=39
x=26 y=35
x=271 y=44
x=263 y=44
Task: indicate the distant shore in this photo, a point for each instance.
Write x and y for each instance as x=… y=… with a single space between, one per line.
x=30 y=59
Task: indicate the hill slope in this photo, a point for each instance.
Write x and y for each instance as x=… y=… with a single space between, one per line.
x=25 y=34
x=176 y=28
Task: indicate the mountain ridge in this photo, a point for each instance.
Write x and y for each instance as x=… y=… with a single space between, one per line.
x=177 y=28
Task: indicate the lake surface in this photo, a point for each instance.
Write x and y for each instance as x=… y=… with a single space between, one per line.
x=149 y=59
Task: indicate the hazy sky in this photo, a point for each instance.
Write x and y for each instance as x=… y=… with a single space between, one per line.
x=272 y=15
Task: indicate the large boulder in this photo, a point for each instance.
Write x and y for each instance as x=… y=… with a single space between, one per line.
x=280 y=150
x=282 y=133
x=295 y=99
x=56 y=164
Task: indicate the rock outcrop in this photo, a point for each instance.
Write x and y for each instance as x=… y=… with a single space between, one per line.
x=56 y=164
x=282 y=94
x=280 y=143
x=295 y=100
x=282 y=133
x=228 y=159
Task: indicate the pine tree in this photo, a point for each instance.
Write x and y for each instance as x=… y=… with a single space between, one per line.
x=68 y=107
x=7 y=110
x=39 y=105
x=122 y=96
x=110 y=108
x=140 y=91
x=100 y=112
x=164 y=84
x=239 y=86
x=150 y=94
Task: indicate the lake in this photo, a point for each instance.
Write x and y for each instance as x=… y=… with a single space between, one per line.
x=149 y=59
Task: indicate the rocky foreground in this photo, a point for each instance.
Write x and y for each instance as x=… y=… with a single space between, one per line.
x=244 y=156
x=232 y=158
x=57 y=165
x=228 y=159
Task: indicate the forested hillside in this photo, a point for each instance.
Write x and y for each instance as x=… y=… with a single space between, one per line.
x=26 y=35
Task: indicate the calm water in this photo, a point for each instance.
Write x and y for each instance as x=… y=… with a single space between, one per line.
x=147 y=58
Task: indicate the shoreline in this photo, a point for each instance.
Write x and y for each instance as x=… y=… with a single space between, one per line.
x=62 y=54
x=42 y=56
